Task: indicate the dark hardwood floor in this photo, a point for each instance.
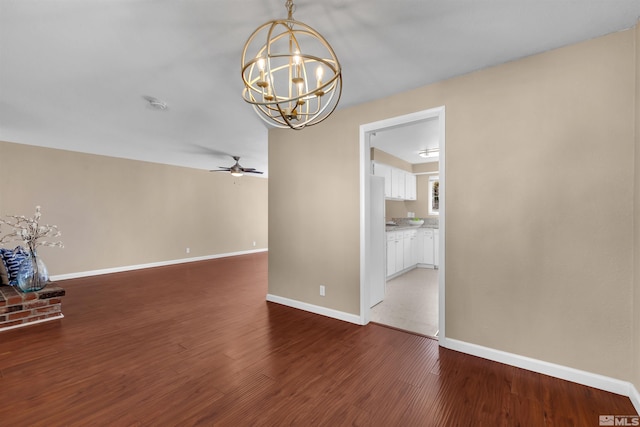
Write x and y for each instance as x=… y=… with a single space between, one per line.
x=197 y=344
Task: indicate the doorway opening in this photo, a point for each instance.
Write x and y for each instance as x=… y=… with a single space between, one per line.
x=374 y=273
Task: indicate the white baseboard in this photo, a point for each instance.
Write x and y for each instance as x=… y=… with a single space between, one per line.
x=150 y=265
x=601 y=382
x=35 y=322
x=324 y=311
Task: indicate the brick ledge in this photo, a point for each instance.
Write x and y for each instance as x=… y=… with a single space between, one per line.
x=28 y=308
x=35 y=322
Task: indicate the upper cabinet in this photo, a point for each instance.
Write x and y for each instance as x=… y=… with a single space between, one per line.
x=410 y=187
x=398 y=184
x=384 y=171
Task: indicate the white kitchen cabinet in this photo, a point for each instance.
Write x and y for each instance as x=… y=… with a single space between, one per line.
x=406 y=244
x=436 y=247
x=410 y=244
x=427 y=246
x=385 y=172
x=414 y=249
x=402 y=251
x=399 y=252
x=419 y=246
x=397 y=183
x=391 y=253
x=395 y=252
x=410 y=187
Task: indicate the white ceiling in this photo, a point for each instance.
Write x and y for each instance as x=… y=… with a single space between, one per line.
x=73 y=73
x=407 y=141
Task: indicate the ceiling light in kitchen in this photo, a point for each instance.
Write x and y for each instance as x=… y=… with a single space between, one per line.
x=429 y=153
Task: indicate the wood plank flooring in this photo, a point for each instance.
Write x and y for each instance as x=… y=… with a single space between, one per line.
x=197 y=344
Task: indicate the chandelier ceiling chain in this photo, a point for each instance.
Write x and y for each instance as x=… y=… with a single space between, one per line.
x=276 y=78
x=290 y=9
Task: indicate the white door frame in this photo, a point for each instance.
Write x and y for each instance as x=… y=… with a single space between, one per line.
x=365 y=165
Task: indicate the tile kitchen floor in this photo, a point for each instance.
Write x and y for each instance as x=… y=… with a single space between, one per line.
x=410 y=303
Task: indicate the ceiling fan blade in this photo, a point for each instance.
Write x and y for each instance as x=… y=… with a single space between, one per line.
x=248 y=169
x=220 y=170
x=253 y=171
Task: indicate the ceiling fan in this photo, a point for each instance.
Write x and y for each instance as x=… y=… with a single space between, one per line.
x=236 y=170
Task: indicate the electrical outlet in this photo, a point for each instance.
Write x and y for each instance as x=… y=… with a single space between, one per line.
x=254 y=243
x=321 y=290
x=188 y=250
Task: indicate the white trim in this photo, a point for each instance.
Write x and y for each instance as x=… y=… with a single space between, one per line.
x=598 y=381
x=442 y=224
x=35 y=322
x=365 y=164
x=150 y=265
x=324 y=311
x=634 y=395
x=365 y=160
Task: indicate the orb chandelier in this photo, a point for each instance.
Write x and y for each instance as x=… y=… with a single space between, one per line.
x=291 y=74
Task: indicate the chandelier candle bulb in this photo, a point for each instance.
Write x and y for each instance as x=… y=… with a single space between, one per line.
x=296 y=77
x=319 y=72
x=261 y=68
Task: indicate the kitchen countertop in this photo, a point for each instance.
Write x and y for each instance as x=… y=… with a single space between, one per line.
x=409 y=227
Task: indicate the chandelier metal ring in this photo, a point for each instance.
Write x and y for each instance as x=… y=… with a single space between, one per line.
x=276 y=76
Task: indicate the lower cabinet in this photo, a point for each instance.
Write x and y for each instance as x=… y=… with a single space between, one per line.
x=399 y=253
x=395 y=252
x=436 y=247
x=427 y=246
x=391 y=254
x=409 y=248
x=402 y=250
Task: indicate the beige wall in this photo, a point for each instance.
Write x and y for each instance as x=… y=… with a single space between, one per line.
x=420 y=168
x=115 y=212
x=396 y=209
x=385 y=158
x=313 y=215
x=539 y=245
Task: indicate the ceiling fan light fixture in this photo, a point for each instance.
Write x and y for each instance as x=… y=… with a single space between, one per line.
x=293 y=79
x=236 y=170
